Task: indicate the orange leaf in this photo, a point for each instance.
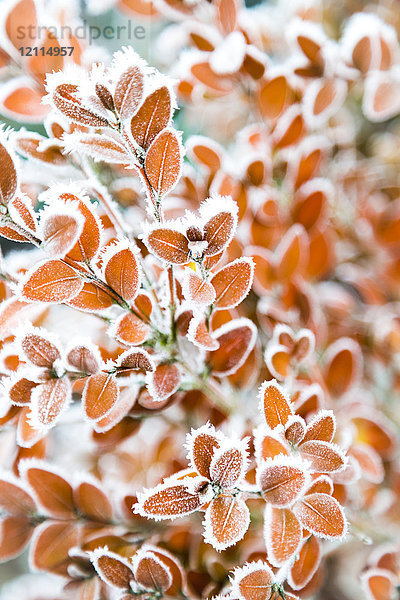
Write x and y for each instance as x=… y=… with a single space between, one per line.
x=92 y=502
x=152 y=117
x=15 y=533
x=273 y=404
x=282 y=533
x=150 y=572
x=91 y=298
x=236 y=340
x=99 y=396
x=232 y=283
x=163 y=162
x=322 y=515
x=281 y=481
x=306 y=564
x=164 y=381
x=129 y=91
x=39 y=350
x=51 y=281
x=53 y=492
x=226 y=521
x=8 y=176
x=169 y=245
x=130 y=330
x=121 y=271
x=50 y=546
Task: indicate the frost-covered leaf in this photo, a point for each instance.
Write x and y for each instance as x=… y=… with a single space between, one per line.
x=49 y=400
x=282 y=480
x=51 y=281
x=99 y=147
x=228 y=466
x=130 y=330
x=323 y=456
x=60 y=226
x=15 y=533
x=91 y=298
x=92 y=502
x=8 y=178
x=226 y=521
x=112 y=568
x=274 y=405
x=53 y=492
x=163 y=381
x=253 y=581
x=306 y=563
x=163 y=161
x=153 y=116
x=321 y=427
x=150 y=572
x=322 y=515
x=202 y=444
x=15 y=498
x=121 y=270
x=236 y=340
x=99 y=396
x=129 y=91
x=232 y=283
x=167 y=501
x=65 y=97
x=282 y=534
x=196 y=290
x=168 y=245
x=38 y=349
